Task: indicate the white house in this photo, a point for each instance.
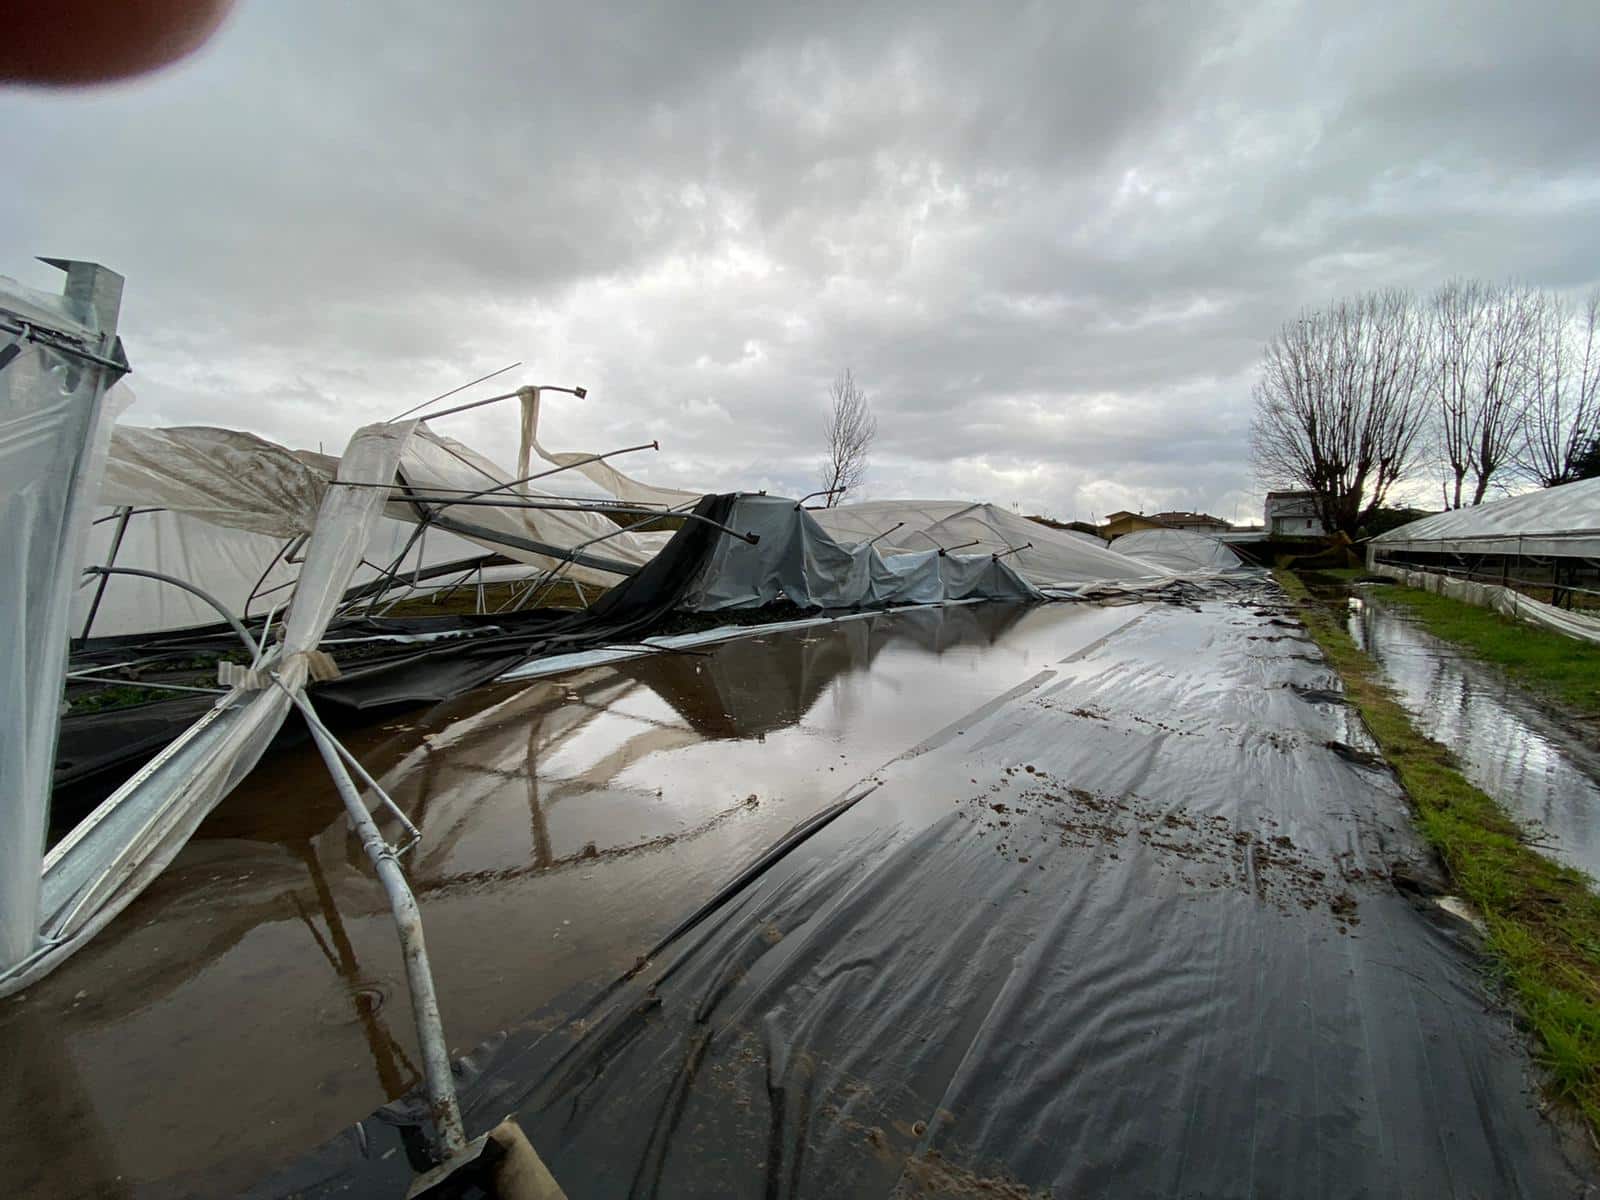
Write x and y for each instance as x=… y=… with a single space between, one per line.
x=1293 y=514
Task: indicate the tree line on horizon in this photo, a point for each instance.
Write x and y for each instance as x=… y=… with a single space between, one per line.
x=1477 y=385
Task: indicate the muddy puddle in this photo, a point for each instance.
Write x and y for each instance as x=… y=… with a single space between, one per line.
x=252 y=1003
x=1517 y=751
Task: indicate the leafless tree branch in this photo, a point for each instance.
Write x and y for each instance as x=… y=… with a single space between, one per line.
x=850 y=433
x=1563 y=391
x=1341 y=404
x=1482 y=339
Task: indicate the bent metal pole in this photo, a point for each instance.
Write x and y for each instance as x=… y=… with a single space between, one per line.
x=442 y=1102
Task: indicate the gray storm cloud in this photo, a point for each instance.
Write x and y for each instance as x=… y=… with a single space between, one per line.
x=1049 y=239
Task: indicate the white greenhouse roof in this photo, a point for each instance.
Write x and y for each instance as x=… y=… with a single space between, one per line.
x=1561 y=520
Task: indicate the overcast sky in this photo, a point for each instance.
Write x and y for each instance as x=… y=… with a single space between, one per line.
x=1050 y=240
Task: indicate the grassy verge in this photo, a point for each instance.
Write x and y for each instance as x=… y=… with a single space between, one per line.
x=1560 y=668
x=1543 y=919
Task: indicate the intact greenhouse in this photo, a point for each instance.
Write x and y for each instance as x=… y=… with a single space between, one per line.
x=1536 y=556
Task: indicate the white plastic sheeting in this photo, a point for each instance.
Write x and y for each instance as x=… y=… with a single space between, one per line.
x=95 y=871
x=1501 y=599
x=1561 y=520
x=233 y=500
x=798 y=561
x=222 y=476
x=1054 y=558
x=246 y=571
x=1180 y=551
x=55 y=420
x=435 y=462
x=602 y=474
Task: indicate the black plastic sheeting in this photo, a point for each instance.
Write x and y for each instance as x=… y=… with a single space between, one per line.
x=95 y=750
x=1151 y=924
x=628 y=611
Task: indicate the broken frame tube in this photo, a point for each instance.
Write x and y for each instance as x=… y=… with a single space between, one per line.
x=442 y=1102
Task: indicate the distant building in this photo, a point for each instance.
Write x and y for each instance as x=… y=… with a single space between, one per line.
x=1067 y=526
x=1293 y=514
x=1194 y=522
x=1119 y=523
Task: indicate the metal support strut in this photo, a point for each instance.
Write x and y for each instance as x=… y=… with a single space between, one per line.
x=885 y=533
x=455 y=1152
x=123 y=514
x=800 y=503
x=442 y=1102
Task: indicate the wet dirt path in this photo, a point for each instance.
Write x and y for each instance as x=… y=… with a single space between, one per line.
x=252 y=1003
x=1542 y=770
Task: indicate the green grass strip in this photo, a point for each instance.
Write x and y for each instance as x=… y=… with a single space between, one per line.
x=1543 y=919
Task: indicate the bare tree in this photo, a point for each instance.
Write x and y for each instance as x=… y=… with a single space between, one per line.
x=1482 y=337
x=1563 y=392
x=850 y=432
x=1341 y=405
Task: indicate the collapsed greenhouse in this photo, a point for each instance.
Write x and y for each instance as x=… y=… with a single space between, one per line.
x=890 y=847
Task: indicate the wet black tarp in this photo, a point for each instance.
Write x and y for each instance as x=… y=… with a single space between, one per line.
x=1148 y=925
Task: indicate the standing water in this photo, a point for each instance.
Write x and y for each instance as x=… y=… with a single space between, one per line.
x=1541 y=772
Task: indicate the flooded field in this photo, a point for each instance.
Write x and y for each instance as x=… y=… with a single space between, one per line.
x=252 y=1003
x=1540 y=768
x=1151 y=921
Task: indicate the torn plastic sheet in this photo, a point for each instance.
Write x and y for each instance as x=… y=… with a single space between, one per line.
x=55 y=421
x=230 y=503
x=395 y=663
x=94 y=872
x=626 y=612
x=435 y=463
x=223 y=476
x=1128 y=929
x=602 y=474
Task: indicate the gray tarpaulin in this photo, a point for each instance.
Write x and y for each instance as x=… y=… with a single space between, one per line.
x=797 y=561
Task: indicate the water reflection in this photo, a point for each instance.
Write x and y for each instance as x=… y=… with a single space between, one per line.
x=620 y=759
x=252 y=1001
x=1508 y=745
